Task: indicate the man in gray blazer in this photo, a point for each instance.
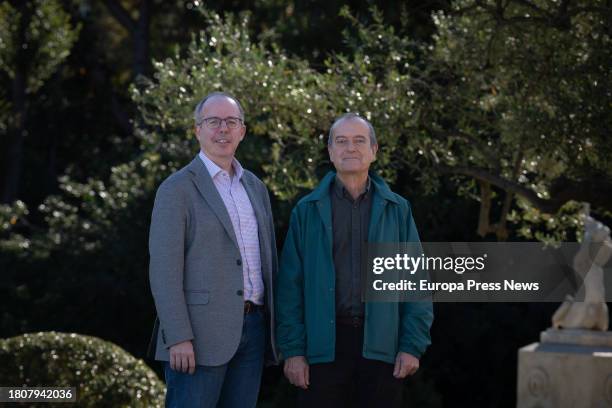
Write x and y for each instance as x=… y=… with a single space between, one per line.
x=213 y=262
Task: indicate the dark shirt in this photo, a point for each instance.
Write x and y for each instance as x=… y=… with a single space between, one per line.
x=350 y=221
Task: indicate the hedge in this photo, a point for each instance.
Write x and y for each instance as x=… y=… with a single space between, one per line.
x=103 y=373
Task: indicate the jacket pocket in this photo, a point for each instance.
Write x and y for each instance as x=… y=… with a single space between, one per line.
x=196 y=297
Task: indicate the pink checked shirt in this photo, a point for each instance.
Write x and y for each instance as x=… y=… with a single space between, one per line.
x=241 y=213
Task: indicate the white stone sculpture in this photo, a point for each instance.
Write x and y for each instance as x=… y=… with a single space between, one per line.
x=594 y=253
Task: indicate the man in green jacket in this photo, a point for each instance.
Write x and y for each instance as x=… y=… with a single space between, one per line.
x=337 y=348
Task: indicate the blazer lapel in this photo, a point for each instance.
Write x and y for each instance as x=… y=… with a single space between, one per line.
x=205 y=186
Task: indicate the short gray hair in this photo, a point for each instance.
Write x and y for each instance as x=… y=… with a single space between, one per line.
x=200 y=105
x=347 y=116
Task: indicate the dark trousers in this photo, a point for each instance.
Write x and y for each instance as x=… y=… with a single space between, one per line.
x=351 y=380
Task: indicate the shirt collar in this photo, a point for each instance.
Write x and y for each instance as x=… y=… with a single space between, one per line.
x=213 y=169
x=341 y=191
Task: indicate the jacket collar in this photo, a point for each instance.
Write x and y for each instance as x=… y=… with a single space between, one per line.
x=380 y=188
x=206 y=187
x=214 y=169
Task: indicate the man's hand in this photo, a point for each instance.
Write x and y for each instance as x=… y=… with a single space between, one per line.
x=297 y=371
x=182 y=357
x=405 y=365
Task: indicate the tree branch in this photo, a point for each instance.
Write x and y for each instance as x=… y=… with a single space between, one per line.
x=533 y=7
x=592 y=9
x=507 y=185
x=484 y=226
x=121 y=15
x=482 y=148
x=562 y=190
x=502 y=230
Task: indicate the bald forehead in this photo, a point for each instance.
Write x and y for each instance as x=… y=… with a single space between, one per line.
x=353 y=126
x=220 y=100
x=355 y=120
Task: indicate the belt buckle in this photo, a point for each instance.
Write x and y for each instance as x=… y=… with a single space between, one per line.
x=356 y=321
x=250 y=307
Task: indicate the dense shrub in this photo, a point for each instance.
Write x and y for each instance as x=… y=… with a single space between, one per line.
x=103 y=373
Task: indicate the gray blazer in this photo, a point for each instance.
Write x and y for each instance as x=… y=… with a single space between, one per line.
x=195 y=267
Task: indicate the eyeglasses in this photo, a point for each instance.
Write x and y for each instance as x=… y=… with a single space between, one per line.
x=214 y=122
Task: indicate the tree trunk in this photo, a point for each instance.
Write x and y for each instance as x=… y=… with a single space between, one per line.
x=13 y=157
x=14 y=152
x=51 y=173
x=140 y=36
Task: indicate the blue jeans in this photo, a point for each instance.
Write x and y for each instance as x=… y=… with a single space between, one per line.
x=232 y=385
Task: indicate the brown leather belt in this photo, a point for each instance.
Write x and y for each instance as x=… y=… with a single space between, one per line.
x=354 y=321
x=250 y=307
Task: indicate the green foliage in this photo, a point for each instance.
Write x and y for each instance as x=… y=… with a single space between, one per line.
x=523 y=96
x=8 y=35
x=502 y=97
x=44 y=44
x=35 y=38
x=563 y=226
x=282 y=96
x=103 y=373
x=465 y=103
x=543 y=87
x=10 y=216
x=93 y=252
x=289 y=106
x=82 y=218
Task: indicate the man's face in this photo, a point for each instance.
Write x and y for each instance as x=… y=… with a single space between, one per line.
x=220 y=143
x=351 y=151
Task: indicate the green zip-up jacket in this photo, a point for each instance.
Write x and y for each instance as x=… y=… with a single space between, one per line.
x=305 y=290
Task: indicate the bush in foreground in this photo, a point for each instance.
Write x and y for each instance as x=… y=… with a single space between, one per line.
x=103 y=373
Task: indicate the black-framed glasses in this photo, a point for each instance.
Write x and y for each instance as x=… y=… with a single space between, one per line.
x=214 y=122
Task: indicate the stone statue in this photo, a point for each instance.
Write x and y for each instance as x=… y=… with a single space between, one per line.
x=594 y=253
x=571 y=366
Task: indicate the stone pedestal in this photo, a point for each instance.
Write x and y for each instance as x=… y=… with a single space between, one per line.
x=567 y=369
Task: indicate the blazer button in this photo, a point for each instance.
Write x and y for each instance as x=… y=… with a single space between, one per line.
x=239 y=292
x=239 y=262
